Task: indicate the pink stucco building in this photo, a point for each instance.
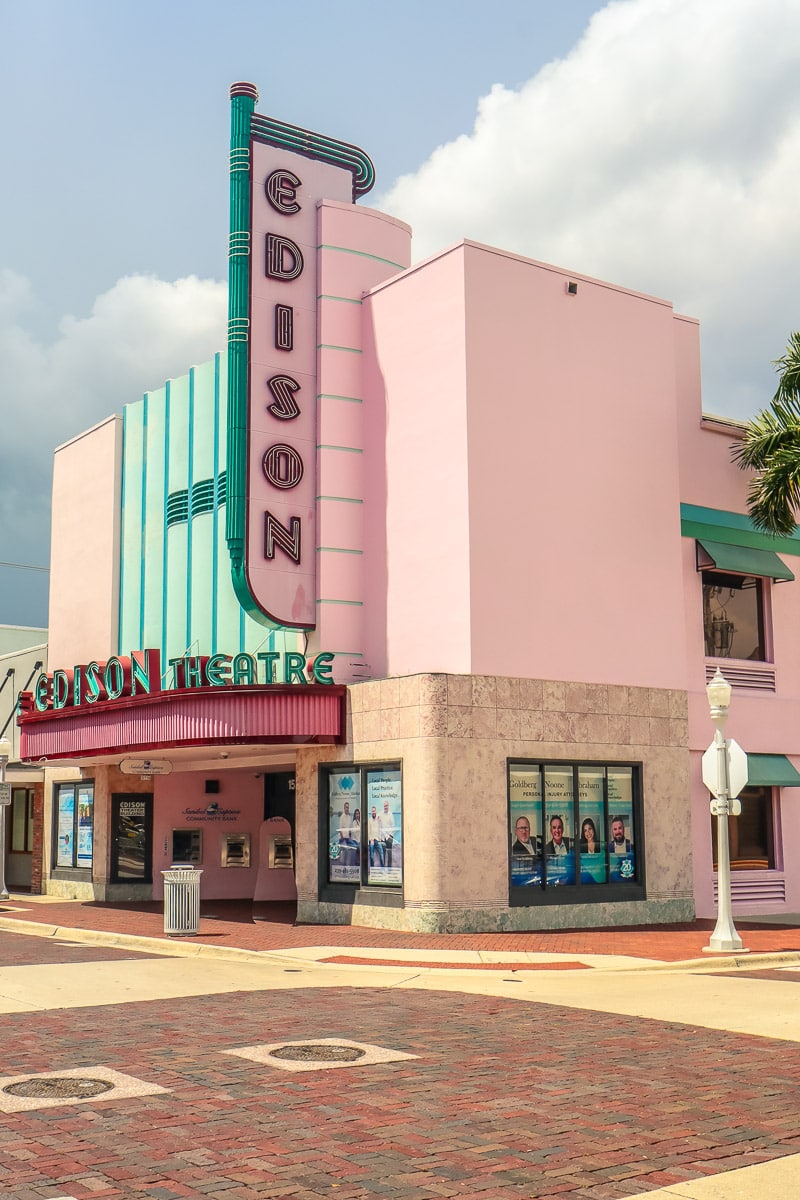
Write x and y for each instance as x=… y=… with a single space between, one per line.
x=524 y=553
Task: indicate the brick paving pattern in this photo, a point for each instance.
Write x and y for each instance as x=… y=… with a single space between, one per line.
x=232 y=923
x=505 y=1100
x=20 y=951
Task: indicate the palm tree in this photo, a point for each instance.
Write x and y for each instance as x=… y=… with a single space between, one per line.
x=771 y=448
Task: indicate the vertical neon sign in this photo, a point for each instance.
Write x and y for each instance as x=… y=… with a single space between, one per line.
x=279 y=173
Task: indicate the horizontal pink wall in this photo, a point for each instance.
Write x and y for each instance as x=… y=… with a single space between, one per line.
x=84 y=546
x=573 y=477
x=531 y=489
x=417 y=562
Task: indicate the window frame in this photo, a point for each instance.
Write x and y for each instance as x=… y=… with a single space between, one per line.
x=771 y=801
x=763 y=617
x=27 y=822
x=363 y=890
x=73 y=871
x=145 y=799
x=532 y=895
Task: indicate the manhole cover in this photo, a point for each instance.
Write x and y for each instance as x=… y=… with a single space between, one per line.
x=59 y=1088
x=312 y=1052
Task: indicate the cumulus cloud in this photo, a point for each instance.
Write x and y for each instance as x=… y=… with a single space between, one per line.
x=663 y=154
x=139 y=333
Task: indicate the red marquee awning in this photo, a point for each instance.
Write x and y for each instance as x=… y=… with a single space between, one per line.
x=208 y=716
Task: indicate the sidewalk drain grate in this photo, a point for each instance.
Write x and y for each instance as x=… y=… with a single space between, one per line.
x=318 y=1052
x=59 y=1087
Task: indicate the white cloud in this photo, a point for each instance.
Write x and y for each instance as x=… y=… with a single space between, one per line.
x=139 y=333
x=663 y=153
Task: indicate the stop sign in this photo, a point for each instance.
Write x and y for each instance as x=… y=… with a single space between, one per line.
x=737 y=768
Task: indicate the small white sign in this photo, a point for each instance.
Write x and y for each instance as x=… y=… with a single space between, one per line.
x=737 y=768
x=5 y=793
x=145 y=766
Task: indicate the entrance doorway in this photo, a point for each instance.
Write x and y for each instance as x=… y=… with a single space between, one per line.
x=131 y=838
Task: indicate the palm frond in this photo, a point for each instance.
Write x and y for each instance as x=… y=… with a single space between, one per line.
x=771 y=448
x=788 y=367
x=773 y=496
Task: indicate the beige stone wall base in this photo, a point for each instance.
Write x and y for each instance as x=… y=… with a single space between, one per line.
x=498 y=920
x=67 y=889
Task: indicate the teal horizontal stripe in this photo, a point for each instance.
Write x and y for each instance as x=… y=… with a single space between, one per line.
x=349 y=653
x=363 y=254
x=341 y=299
x=345 y=449
x=735 y=529
x=336 y=550
x=332 y=396
x=345 y=349
x=352 y=603
x=342 y=499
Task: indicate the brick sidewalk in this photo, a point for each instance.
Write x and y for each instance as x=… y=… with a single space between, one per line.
x=505 y=1100
x=231 y=923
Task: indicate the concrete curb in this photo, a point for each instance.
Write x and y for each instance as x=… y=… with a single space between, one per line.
x=168 y=947
x=179 y=948
x=725 y=962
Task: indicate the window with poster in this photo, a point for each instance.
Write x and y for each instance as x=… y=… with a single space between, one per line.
x=73 y=832
x=575 y=832
x=362 y=819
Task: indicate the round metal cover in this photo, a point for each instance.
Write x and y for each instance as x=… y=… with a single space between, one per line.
x=60 y=1087
x=315 y=1052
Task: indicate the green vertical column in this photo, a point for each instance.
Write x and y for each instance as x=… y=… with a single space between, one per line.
x=243 y=101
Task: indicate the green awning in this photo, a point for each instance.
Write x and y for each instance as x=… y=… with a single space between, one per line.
x=771 y=770
x=742 y=560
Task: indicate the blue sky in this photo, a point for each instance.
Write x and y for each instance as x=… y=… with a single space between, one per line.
x=115 y=115
x=653 y=143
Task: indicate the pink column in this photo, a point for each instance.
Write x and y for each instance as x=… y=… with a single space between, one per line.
x=358 y=248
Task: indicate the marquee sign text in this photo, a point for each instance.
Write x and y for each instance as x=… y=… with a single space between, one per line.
x=140 y=675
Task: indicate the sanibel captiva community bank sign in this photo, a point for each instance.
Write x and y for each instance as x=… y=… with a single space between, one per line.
x=279 y=173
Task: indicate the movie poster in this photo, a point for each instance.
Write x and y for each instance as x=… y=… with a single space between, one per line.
x=344 y=827
x=66 y=827
x=525 y=821
x=384 y=827
x=559 y=846
x=591 y=828
x=85 y=827
x=621 y=844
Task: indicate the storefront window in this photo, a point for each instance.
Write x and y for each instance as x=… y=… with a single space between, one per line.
x=74 y=817
x=751 y=836
x=573 y=827
x=364 y=822
x=733 y=616
x=21 y=838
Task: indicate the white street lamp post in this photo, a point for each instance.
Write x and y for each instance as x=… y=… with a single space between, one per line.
x=724 y=937
x=5 y=752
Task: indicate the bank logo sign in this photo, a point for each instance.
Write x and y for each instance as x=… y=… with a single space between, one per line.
x=279 y=174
